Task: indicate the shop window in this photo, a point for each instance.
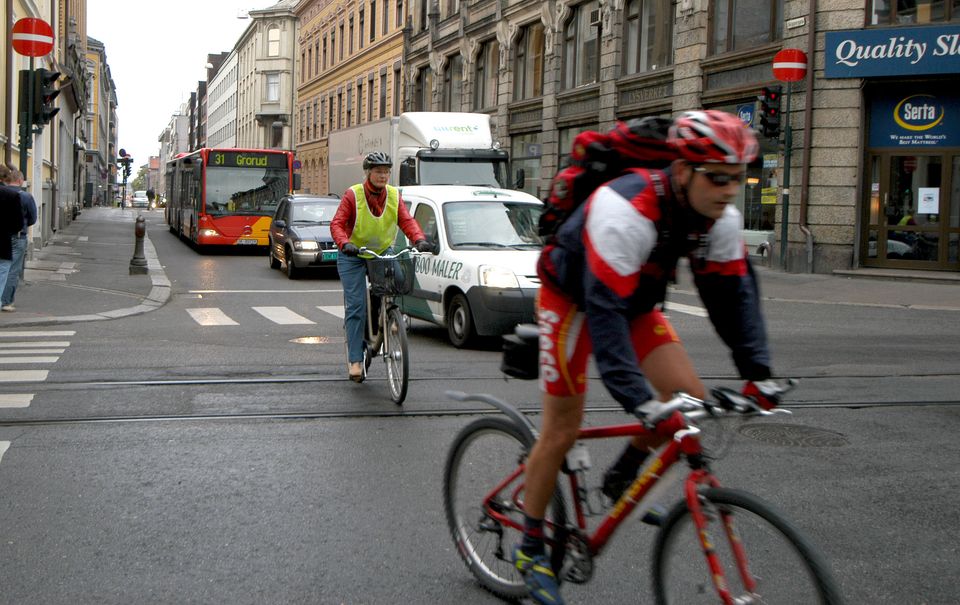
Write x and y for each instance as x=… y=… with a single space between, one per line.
x=909 y=12
x=566 y=143
x=452 y=84
x=525 y=149
x=485 y=75
x=740 y=24
x=648 y=35
x=528 y=63
x=581 y=46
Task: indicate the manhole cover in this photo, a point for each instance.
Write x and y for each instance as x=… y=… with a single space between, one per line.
x=794 y=434
x=318 y=340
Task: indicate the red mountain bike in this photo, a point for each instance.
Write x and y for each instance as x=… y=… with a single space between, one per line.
x=716 y=545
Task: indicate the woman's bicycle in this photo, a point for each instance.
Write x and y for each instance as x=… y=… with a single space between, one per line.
x=716 y=545
x=388 y=276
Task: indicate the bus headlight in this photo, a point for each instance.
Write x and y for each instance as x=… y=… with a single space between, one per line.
x=307 y=245
x=209 y=233
x=498 y=277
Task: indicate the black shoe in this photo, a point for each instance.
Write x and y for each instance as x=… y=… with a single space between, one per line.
x=616 y=481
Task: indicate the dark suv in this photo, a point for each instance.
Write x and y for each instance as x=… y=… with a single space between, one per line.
x=300 y=233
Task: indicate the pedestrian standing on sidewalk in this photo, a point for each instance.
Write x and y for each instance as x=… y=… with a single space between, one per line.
x=10 y=219
x=18 y=238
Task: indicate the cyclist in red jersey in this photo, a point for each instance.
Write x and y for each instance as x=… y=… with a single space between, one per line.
x=602 y=283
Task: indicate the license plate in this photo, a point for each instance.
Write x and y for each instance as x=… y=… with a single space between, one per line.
x=247 y=242
x=328 y=255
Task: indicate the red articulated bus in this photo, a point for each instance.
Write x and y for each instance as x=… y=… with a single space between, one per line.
x=227 y=197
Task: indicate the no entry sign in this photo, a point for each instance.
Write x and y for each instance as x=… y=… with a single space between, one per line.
x=790 y=65
x=32 y=37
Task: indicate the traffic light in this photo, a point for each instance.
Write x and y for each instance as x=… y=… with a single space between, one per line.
x=45 y=93
x=125 y=161
x=770 y=111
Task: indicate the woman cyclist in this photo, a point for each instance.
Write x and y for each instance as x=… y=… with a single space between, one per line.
x=601 y=284
x=368 y=216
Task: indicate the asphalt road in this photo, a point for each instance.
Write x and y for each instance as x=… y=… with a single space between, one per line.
x=164 y=461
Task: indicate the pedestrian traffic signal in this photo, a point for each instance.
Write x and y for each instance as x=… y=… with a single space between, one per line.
x=770 y=111
x=45 y=93
x=125 y=161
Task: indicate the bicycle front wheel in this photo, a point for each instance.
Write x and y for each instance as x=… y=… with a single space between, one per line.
x=763 y=558
x=484 y=521
x=395 y=355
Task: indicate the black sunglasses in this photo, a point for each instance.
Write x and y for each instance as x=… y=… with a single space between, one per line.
x=720 y=179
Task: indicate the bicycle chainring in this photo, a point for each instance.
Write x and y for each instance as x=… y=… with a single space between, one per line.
x=577 y=562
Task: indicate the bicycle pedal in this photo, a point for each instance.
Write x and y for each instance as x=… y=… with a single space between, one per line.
x=654 y=516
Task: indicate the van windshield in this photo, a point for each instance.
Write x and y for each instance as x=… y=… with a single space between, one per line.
x=480 y=172
x=492 y=224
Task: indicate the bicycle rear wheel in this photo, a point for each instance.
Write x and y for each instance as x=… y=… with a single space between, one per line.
x=483 y=455
x=395 y=355
x=784 y=566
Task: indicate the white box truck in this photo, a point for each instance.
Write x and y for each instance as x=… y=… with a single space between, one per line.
x=427 y=148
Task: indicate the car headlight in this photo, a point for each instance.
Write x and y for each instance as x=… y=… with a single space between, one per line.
x=307 y=245
x=498 y=277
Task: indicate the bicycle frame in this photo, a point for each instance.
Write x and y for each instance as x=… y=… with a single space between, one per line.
x=684 y=443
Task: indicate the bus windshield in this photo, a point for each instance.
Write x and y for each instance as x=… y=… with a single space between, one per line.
x=247 y=190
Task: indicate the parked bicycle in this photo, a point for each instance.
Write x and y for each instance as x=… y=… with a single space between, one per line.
x=716 y=545
x=388 y=276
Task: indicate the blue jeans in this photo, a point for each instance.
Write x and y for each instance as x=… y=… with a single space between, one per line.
x=353 y=278
x=19 y=245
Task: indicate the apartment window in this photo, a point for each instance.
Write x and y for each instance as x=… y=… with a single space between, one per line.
x=303 y=65
x=331 y=122
x=324 y=51
x=485 y=75
x=302 y=125
x=385 y=19
x=341 y=40
x=316 y=119
x=350 y=44
x=739 y=24
x=323 y=114
x=316 y=57
x=581 y=46
x=452 y=84
x=383 y=95
x=370 y=99
x=360 y=31
x=349 y=105
x=397 y=91
x=339 y=110
x=273 y=88
x=648 y=35
x=906 y=12
x=528 y=63
x=399 y=16
x=273 y=42
x=359 y=101
x=310 y=59
x=449 y=8
x=373 y=20
x=423 y=14
x=422 y=100
x=333 y=46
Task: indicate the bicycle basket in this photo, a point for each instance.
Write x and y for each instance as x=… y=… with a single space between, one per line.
x=390 y=277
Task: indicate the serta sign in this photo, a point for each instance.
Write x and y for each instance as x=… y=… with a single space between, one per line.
x=915 y=120
x=865 y=53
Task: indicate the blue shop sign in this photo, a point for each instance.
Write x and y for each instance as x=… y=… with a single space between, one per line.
x=902 y=51
x=915 y=119
x=745 y=113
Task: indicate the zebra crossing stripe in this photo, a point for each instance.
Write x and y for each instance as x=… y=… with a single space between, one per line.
x=35 y=333
x=15 y=400
x=29 y=352
x=3 y=447
x=23 y=375
x=28 y=359
x=60 y=344
x=688 y=309
x=282 y=315
x=336 y=311
x=211 y=316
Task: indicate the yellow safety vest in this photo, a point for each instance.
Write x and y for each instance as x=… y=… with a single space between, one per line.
x=375 y=232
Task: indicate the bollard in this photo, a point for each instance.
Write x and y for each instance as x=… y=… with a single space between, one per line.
x=138 y=264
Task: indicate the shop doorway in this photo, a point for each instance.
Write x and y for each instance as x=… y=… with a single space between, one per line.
x=913 y=211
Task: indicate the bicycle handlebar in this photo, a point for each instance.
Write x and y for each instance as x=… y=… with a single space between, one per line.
x=727 y=401
x=408 y=250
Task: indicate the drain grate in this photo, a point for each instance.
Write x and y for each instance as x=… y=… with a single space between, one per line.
x=794 y=435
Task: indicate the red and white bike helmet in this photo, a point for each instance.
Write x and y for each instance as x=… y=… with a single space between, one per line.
x=713 y=137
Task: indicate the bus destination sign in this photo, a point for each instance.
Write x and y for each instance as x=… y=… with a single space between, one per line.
x=246 y=159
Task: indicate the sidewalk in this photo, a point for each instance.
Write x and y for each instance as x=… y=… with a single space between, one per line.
x=83 y=274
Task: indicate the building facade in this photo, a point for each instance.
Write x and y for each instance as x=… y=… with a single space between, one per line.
x=222 y=104
x=101 y=145
x=349 y=73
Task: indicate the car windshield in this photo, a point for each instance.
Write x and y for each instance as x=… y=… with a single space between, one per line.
x=493 y=224
x=314 y=212
x=246 y=190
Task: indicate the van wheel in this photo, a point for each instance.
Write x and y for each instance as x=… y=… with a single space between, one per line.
x=460 y=328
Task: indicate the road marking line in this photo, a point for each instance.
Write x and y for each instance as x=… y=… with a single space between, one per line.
x=688 y=309
x=23 y=375
x=35 y=333
x=211 y=316
x=339 y=291
x=3 y=447
x=4 y=351
x=335 y=311
x=39 y=343
x=9 y=360
x=16 y=400
x=282 y=315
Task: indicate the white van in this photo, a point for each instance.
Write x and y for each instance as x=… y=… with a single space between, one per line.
x=483 y=281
